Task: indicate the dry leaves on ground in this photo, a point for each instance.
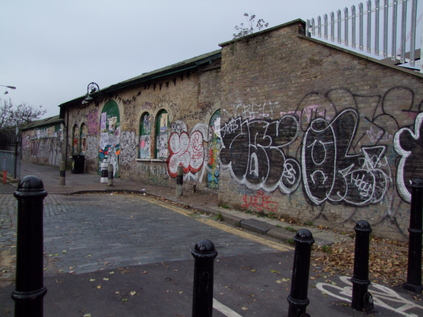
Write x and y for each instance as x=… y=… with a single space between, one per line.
x=388 y=260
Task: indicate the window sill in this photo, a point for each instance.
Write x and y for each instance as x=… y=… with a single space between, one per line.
x=152 y=160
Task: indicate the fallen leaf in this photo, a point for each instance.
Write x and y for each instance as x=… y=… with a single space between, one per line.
x=132 y=293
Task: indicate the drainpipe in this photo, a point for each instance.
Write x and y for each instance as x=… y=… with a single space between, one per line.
x=67 y=135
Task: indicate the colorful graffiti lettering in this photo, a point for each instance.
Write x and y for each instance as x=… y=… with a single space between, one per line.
x=187 y=150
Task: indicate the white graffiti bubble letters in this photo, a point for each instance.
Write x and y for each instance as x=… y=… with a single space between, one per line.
x=331 y=173
x=252 y=151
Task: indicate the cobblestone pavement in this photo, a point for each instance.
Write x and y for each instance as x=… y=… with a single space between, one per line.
x=86 y=233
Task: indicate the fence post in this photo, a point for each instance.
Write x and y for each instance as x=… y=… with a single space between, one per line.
x=179 y=180
x=362 y=300
x=29 y=290
x=414 y=273
x=297 y=299
x=204 y=254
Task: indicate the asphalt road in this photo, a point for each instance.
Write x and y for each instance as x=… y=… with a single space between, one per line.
x=130 y=255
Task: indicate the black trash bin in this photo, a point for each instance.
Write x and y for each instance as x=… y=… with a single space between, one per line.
x=78 y=164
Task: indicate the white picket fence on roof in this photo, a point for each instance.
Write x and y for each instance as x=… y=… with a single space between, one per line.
x=386 y=29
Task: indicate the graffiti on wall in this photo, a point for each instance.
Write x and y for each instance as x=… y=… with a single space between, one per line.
x=196 y=150
x=341 y=146
x=45 y=151
x=92 y=121
x=253 y=111
x=259 y=202
x=331 y=172
x=213 y=166
x=110 y=134
x=408 y=144
x=186 y=149
x=155 y=174
x=129 y=148
x=253 y=151
x=84 y=134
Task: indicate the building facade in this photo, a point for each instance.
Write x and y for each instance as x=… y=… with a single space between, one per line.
x=276 y=122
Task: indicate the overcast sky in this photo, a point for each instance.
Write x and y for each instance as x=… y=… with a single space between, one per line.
x=51 y=50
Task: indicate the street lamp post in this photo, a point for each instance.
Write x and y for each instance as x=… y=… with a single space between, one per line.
x=10 y=87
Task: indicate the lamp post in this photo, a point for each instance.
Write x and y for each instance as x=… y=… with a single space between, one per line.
x=10 y=87
x=91 y=88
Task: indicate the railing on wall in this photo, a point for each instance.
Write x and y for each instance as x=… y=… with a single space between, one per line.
x=384 y=29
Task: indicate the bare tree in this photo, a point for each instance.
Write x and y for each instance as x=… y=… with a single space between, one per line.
x=16 y=116
x=251 y=27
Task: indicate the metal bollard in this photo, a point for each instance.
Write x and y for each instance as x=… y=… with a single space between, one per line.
x=414 y=272
x=104 y=172
x=5 y=170
x=62 y=168
x=297 y=299
x=204 y=254
x=179 y=180
x=362 y=300
x=30 y=290
x=110 y=175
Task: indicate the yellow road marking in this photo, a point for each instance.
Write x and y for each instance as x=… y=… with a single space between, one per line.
x=224 y=227
x=246 y=235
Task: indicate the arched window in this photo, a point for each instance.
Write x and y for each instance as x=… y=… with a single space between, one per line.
x=75 y=140
x=83 y=138
x=110 y=136
x=145 y=135
x=162 y=134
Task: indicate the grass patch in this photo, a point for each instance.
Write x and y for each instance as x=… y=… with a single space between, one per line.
x=219 y=217
x=291 y=229
x=326 y=249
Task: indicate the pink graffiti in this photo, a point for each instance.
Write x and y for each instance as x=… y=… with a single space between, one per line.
x=260 y=202
x=186 y=150
x=92 y=121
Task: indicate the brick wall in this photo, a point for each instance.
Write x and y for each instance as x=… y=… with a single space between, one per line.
x=190 y=99
x=313 y=132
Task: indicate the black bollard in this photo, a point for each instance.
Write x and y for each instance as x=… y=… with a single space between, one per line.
x=297 y=299
x=362 y=300
x=179 y=180
x=110 y=175
x=62 y=171
x=414 y=273
x=204 y=254
x=29 y=291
